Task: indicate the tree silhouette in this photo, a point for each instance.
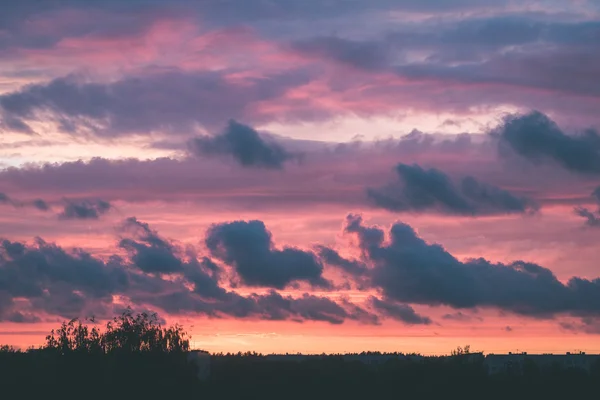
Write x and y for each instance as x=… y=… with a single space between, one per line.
x=127 y=333
x=459 y=351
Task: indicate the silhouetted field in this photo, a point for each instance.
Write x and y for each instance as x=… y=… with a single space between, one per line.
x=237 y=377
x=136 y=358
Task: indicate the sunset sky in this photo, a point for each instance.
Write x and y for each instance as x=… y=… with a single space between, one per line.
x=304 y=175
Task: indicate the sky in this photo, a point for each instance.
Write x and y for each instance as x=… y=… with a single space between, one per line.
x=304 y=175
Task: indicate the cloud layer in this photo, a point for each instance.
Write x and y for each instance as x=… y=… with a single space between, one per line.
x=237 y=132
x=537 y=138
x=422 y=189
x=408 y=269
x=84 y=209
x=403 y=269
x=244 y=144
x=56 y=281
x=248 y=247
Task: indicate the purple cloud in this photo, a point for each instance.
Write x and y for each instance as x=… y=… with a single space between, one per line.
x=422 y=189
x=73 y=283
x=248 y=247
x=171 y=101
x=244 y=144
x=83 y=209
x=410 y=270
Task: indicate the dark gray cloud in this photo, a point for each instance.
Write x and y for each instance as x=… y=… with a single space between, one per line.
x=399 y=311
x=4 y=199
x=6 y=301
x=596 y=195
x=152 y=253
x=355 y=271
x=592 y=219
x=37 y=203
x=472 y=39
x=410 y=270
x=224 y=12
x=14 y=124
x=84 y=209
x=537 y=138
x=370 y=56
x=286 y=10
x=244 y=144
x=307 y=307
x=40 y=205
x=208 y=297
x=75 y=283
x=147 y=250
x=271 y=306
x=56 y=281
x=122 y=20
x=247 y=246
x=460 y=316
x=587 y=325
x=522 y=69
x=517 y=50
x=171 y=101
x=26 y=269
x=420 y=189
x=20 y=318
x=328 y=174
x=332 y=257
x=205 y=275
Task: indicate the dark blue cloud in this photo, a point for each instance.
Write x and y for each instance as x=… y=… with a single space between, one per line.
x=420 y=189
x=524 y=50
x=244 y=144
x=4 y=199
x=592 y=219
x=83 y=209
x=399 y=311
x=271 y=306
x=307 y=307
x=225 y=12
x=586 y=325
x=535 y=137
x=516 y=49
x=57 y=281
x=21 y=318
x=248 y=247
x=410 y=270
x=75 y=284
x=596 y=195
x=170 y=100
x=147 y=250
x=40 y=205
x=474 y=38
x=332 y=257
x=37 y=203
x=204 y=275
x=154 y=254
x=460 y=316
x=369 y=56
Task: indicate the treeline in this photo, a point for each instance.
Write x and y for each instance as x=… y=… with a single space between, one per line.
x=130 y=352
x=426 y=378
x=134 y=356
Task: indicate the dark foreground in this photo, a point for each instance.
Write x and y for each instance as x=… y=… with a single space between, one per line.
x=138 y=376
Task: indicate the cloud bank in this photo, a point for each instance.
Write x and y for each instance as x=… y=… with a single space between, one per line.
x=244 y=144
x=422 y=189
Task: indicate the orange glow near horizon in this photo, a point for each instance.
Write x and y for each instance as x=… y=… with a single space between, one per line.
x=316 y=338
